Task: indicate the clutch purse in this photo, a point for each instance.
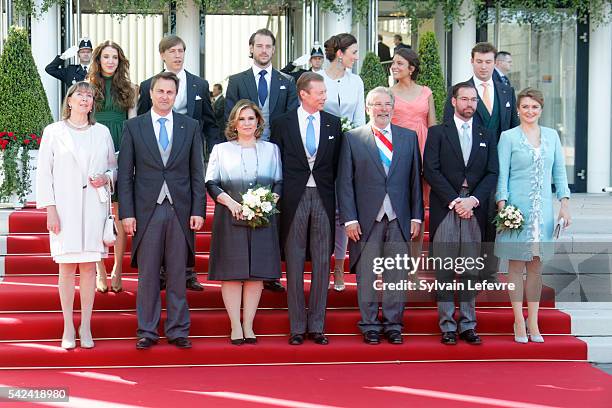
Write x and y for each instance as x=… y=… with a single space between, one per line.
x=559 y=227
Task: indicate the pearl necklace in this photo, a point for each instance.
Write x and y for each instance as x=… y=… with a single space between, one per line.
x=77 y=126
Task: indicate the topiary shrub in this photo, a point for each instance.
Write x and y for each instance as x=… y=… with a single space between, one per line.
x=372 y=73
x=24 y=113
x=431 y=71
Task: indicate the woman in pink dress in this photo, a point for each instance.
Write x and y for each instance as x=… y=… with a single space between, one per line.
x=414 y=109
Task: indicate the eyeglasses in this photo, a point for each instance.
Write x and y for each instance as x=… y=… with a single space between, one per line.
x=379 y=105
x=464 y=99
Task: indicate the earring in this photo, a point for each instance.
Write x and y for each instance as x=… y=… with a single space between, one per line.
x=69 y=106
x=340 y=59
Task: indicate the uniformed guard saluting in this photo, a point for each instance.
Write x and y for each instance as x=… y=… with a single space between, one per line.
x=73 y=73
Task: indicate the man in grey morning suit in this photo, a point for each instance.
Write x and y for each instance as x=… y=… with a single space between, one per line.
x=381 y=206
x=272 y=90
x=309 y=140
x=161 y=203
x=460 y=164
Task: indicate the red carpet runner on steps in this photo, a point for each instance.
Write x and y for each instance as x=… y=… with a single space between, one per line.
x=31 y=321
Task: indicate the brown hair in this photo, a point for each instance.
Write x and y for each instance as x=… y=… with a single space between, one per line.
x=338 y=42
x=165 y=75
x=303 y=83
x=170 y=41
x=122 y=91
x=462 y=85
x=262 y=31
x=532 y=93
x=81 y=85
x=484 y=48
x=413 y=60
x=230 y=129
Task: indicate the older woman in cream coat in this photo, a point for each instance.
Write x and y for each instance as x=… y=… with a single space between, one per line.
x=76 y=167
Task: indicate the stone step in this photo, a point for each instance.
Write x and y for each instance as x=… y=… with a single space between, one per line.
x=599 y=349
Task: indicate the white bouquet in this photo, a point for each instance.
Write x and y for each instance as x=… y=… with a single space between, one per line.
x=258 y=205
x=347 y=124
x=510 y=218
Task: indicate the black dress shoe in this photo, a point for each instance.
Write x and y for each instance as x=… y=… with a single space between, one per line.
x=181 y=342
x=371 y=337
x=318 y=338
x=145 y=343
x=394 y=337
x=296 y=339
x=470 y=337
x=449 y=338
x=193 y=284
x=274 y=286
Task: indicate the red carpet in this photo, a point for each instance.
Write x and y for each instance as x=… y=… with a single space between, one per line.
x=459 y=385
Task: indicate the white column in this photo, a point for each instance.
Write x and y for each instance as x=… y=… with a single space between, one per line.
x=464 y=38
x=335 y=23
x=45 y=46
x=188 y=28
x=600 y=108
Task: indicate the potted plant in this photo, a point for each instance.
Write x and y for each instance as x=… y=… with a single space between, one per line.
x=431 y=71
x=24 y=112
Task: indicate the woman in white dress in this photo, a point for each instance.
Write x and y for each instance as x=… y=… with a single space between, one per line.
x=74 y=178
x=345 y=99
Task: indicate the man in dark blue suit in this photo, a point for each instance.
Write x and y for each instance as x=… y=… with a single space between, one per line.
x=273 y=91
x=503 y=64
x=73 y=73
x=193 y=100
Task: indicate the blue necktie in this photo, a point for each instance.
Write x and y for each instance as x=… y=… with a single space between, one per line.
x=311 y=144
x=262 y=87
x=163 y=133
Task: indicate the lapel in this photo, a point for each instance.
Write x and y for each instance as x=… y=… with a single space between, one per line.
x=275 y=84
x=370 y=144
x=295 y=135
x=66 y=140
x=148 y=136
x=502 y=97
x=398 y=142
x=481 y=109
x=324 y=134
x=478 y=137
x=250 y=85
x=178 y=137
x=453 y=138
x=191 y=89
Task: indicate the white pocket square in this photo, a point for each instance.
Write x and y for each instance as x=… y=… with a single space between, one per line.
x=331 y=137
x=283 y=87
x=483 y=145
x=507 y=104
x=198 y=98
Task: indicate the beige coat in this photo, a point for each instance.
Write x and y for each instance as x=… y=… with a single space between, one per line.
x=59 y=182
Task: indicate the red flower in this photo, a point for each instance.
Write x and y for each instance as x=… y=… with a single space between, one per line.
x=2 y=134
x=12 y=136
x=3 y=144
x=26 y=141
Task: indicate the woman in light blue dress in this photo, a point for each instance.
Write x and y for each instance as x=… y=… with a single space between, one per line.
x=530 y=159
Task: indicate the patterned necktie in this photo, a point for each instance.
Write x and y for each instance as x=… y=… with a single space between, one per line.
x=262 y=88
x=163 y=133
x=466 y=144
x=385 y=147
x=311 y=144
x=486 y=98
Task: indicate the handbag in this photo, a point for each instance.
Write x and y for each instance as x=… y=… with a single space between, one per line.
x=110 y=233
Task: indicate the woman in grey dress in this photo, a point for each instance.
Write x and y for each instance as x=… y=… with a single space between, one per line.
x=242 y=257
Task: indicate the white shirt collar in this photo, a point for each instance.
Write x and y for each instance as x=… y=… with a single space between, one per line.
x=303 y=115
x=387 y=129
x=257 y=70
x=501 y=74
x=459 y=122
x=478 y=83
x=155 y=117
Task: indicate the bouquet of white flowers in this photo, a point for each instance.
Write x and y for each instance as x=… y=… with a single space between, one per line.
x=258 y=205
x=347 y=124
x=510 y=219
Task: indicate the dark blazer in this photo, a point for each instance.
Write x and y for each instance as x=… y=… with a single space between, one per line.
x=68 y=75
x=198 y=107
x=362 y=183
x=444 y=170
x=498 y=78
x=142 y=173
x=384 y=53
x=219 y=110
x=507 y=108
x=283 y=95
x=285 y=132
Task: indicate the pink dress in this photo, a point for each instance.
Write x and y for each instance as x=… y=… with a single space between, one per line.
x=413 y=115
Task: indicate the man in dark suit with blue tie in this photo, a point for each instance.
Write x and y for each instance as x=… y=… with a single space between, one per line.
x=381 y=207
x=272 y=90
x=162 y=201
x=503 y=64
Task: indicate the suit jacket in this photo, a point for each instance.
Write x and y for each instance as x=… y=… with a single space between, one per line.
x=219 y=110
x=498 y=78
x=283 y=95
x=507 y=108
x=68 y=75
x=444 y=169
x=289 y=70
x=198 y=107
x=142 y=174
x=362 y=183
x=383 y=52
x=285 y=132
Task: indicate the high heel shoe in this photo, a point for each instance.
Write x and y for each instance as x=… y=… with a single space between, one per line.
x=101 y=281
x=237 y=342
x=535 y=338
x=68 y=343
x=86 y=340
x=519 y=339
x=116 y=283
x=339 y=285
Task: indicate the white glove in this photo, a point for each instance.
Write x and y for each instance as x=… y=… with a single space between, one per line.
x=303 y=60
x=70 y=52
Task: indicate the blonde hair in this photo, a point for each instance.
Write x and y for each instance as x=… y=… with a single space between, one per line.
x=532 y=93
x=230 y=130
x=79 y=86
